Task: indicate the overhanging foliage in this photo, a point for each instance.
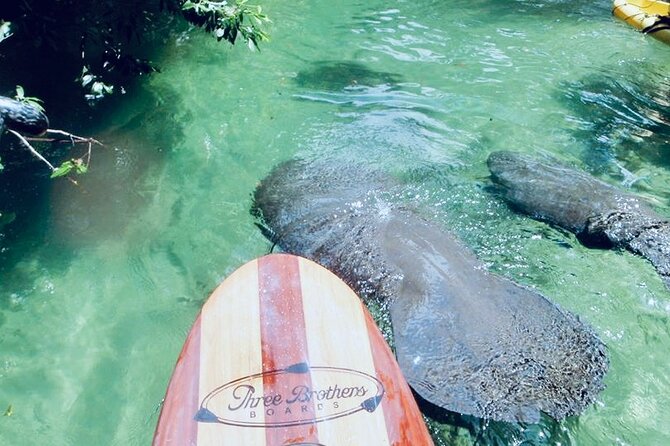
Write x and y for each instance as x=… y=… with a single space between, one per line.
x=105 y=34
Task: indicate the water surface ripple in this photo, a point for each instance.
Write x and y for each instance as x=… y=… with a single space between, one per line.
x=99 y=284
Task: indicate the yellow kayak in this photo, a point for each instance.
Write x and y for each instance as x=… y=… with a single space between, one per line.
x=649 y=16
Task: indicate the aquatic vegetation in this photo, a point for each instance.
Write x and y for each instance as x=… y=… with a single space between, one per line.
x=107 y=35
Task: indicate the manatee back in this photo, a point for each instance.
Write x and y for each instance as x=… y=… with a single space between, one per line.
x=332 y=215
x=555 y=193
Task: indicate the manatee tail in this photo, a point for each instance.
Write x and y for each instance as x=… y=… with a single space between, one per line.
x=647 y=236
x=475 y=343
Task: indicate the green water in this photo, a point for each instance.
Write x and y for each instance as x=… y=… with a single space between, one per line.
x=100 y=283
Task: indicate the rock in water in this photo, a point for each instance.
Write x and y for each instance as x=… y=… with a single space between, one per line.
x=600 y=214
x=22 y=117
x=467 y=340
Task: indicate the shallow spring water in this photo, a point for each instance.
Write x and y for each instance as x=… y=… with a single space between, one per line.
x=96 y=299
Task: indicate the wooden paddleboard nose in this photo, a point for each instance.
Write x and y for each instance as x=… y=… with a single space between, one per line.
x=284 y=353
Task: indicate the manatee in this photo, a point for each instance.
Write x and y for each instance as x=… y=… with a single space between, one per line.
x=22 y=117
x=598 y=213
x=467 y=340
x=338 y=75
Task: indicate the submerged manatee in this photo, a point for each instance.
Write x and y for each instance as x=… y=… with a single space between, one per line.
x=338 y=75
x=467 y=340
x=600 y=214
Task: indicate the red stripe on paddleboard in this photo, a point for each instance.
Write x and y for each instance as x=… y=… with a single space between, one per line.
x=404 y=424
x=284 y=343
x=178 y=426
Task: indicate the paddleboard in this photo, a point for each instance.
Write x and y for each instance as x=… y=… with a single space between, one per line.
x=284 y=353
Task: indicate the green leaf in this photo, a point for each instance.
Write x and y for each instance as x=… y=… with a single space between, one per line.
x=63 y=170
x=87 y=79
x=5 y=30
x=226 y=20
x=33 y=102
x=81 y=168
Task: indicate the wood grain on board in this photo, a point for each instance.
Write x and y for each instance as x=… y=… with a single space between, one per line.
x=284 y=353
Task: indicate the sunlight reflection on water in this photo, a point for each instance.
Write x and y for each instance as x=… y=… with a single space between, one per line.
x=425 y=90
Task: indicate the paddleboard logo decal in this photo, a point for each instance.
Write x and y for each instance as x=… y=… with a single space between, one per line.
x=298 y=394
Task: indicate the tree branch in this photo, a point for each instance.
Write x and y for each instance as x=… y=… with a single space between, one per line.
x=32 y=150
x=71 y=138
